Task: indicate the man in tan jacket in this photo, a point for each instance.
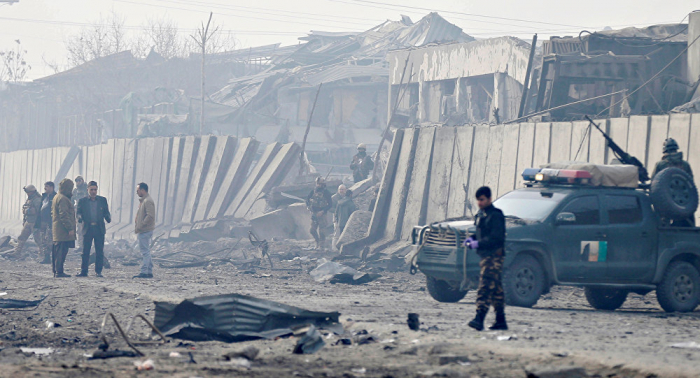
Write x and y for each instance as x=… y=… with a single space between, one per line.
x=63 y=216
x=145 y=224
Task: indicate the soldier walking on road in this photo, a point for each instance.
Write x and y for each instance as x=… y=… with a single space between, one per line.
x=30 y=219
x=489 y=244
x=46 y=227
x=361 y=164
x=145 y=224
x=319 y=201
x=63 y=216
x=80 y=192
x=93 y=212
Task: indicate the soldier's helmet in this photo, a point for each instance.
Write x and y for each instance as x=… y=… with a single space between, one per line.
x=362 y=146
x=670 y=146
x=320 y=180
x=30 y=188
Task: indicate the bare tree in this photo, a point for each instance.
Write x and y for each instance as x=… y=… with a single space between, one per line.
x=13 y=65
x=201 y=37
x=106 y=36
x=162 y=36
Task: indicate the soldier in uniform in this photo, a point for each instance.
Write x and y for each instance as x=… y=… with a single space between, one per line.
x=30 y=217
x=46 y=227
x=63 y=216
x=489 y=245
x=361 y=164
x=674 y=158
x=80 y=192
x=319 y=201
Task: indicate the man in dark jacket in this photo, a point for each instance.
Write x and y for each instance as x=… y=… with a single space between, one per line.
x=63 y=216
x=361 y=164
x=46 y=225
x=93 y=212
x=319 y=201
x=489 y=244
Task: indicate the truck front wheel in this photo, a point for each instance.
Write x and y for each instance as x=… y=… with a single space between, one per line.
x=679 y=290
x=441 y=291
x=605 y=299
x=523 y=281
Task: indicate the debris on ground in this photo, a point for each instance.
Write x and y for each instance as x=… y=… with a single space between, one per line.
x=686 y=345
x=333 y=272
x=144 y=365
x=107 y=354
x=250 y=353
x=310 y=342
x=413 y=321
x=556 y=372
x=235 y=318
x=18 y=303
x=37 y=351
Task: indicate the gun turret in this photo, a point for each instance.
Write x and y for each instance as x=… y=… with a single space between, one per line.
x=623 y=156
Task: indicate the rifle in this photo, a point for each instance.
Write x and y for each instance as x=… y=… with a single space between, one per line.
x=623 y=156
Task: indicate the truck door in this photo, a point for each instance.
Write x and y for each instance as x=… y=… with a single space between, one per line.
x=632 y=244
x=579 y=245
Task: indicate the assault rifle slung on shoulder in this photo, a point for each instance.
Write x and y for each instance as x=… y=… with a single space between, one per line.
x=623 y=156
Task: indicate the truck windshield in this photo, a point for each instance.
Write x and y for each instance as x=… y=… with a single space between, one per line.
x=526 y=204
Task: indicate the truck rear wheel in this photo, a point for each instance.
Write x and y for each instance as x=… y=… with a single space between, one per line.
x=523 y=281
x=679 y=290
x=441 y=291
x=605 y=299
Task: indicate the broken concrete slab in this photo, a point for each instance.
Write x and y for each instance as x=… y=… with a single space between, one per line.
x=275 y=173
x=267 y=156
x=211 y=230
x=216 y=171
x=235 y=176
x=356 y=228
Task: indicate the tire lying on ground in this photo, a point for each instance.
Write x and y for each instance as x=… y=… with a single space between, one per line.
x=673 y=194
x=441 y=291
x=679 y=289
x=605 y=299
x=523 y=281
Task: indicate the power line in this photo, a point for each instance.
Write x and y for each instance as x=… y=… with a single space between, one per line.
x=370 y=2
x=234 y=15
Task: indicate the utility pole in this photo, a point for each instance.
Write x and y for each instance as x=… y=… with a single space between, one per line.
x=201 y=38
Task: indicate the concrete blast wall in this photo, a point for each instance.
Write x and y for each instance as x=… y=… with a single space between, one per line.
x=433 y=167
x=191 y=179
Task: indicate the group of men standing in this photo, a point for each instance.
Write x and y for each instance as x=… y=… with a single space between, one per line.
x=57 y=220
x=320 y=201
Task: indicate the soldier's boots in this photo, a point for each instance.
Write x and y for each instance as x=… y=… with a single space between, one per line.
x=18 y=248
x=478 y=322
x=500 y=324
x=47 y=258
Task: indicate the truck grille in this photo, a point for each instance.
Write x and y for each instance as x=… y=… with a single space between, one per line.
x=444 y=238
x=435 y=255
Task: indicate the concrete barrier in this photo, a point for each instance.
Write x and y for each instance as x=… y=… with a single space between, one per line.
x=543 y=138
x=526 y=147
x=493 y=158
x=598 y=148
x=478 y=166
x=509 y=159
x=234 y=177
x=268 y=154
x=618 y=131
x=189 y=156
x=206 y=149
x=222 y=156
x=461 y=164
x=560 y=142
x=438 y=194
x=176 y=153
x=658 y=132
x=418 y=191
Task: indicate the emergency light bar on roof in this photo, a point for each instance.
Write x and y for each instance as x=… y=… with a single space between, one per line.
x=559 y=176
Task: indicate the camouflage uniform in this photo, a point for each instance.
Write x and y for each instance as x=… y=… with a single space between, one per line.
x=46 y=227
x=361 y=166
x=491 y=235
x=319 y=201
x=30 y=212
x=490 y=287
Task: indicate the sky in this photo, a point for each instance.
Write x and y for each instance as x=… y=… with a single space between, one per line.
x=42 y=26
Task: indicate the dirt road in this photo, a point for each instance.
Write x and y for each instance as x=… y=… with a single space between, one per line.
x=562 y=332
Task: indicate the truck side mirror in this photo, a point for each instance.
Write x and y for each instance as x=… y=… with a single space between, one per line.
x=566 y=218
